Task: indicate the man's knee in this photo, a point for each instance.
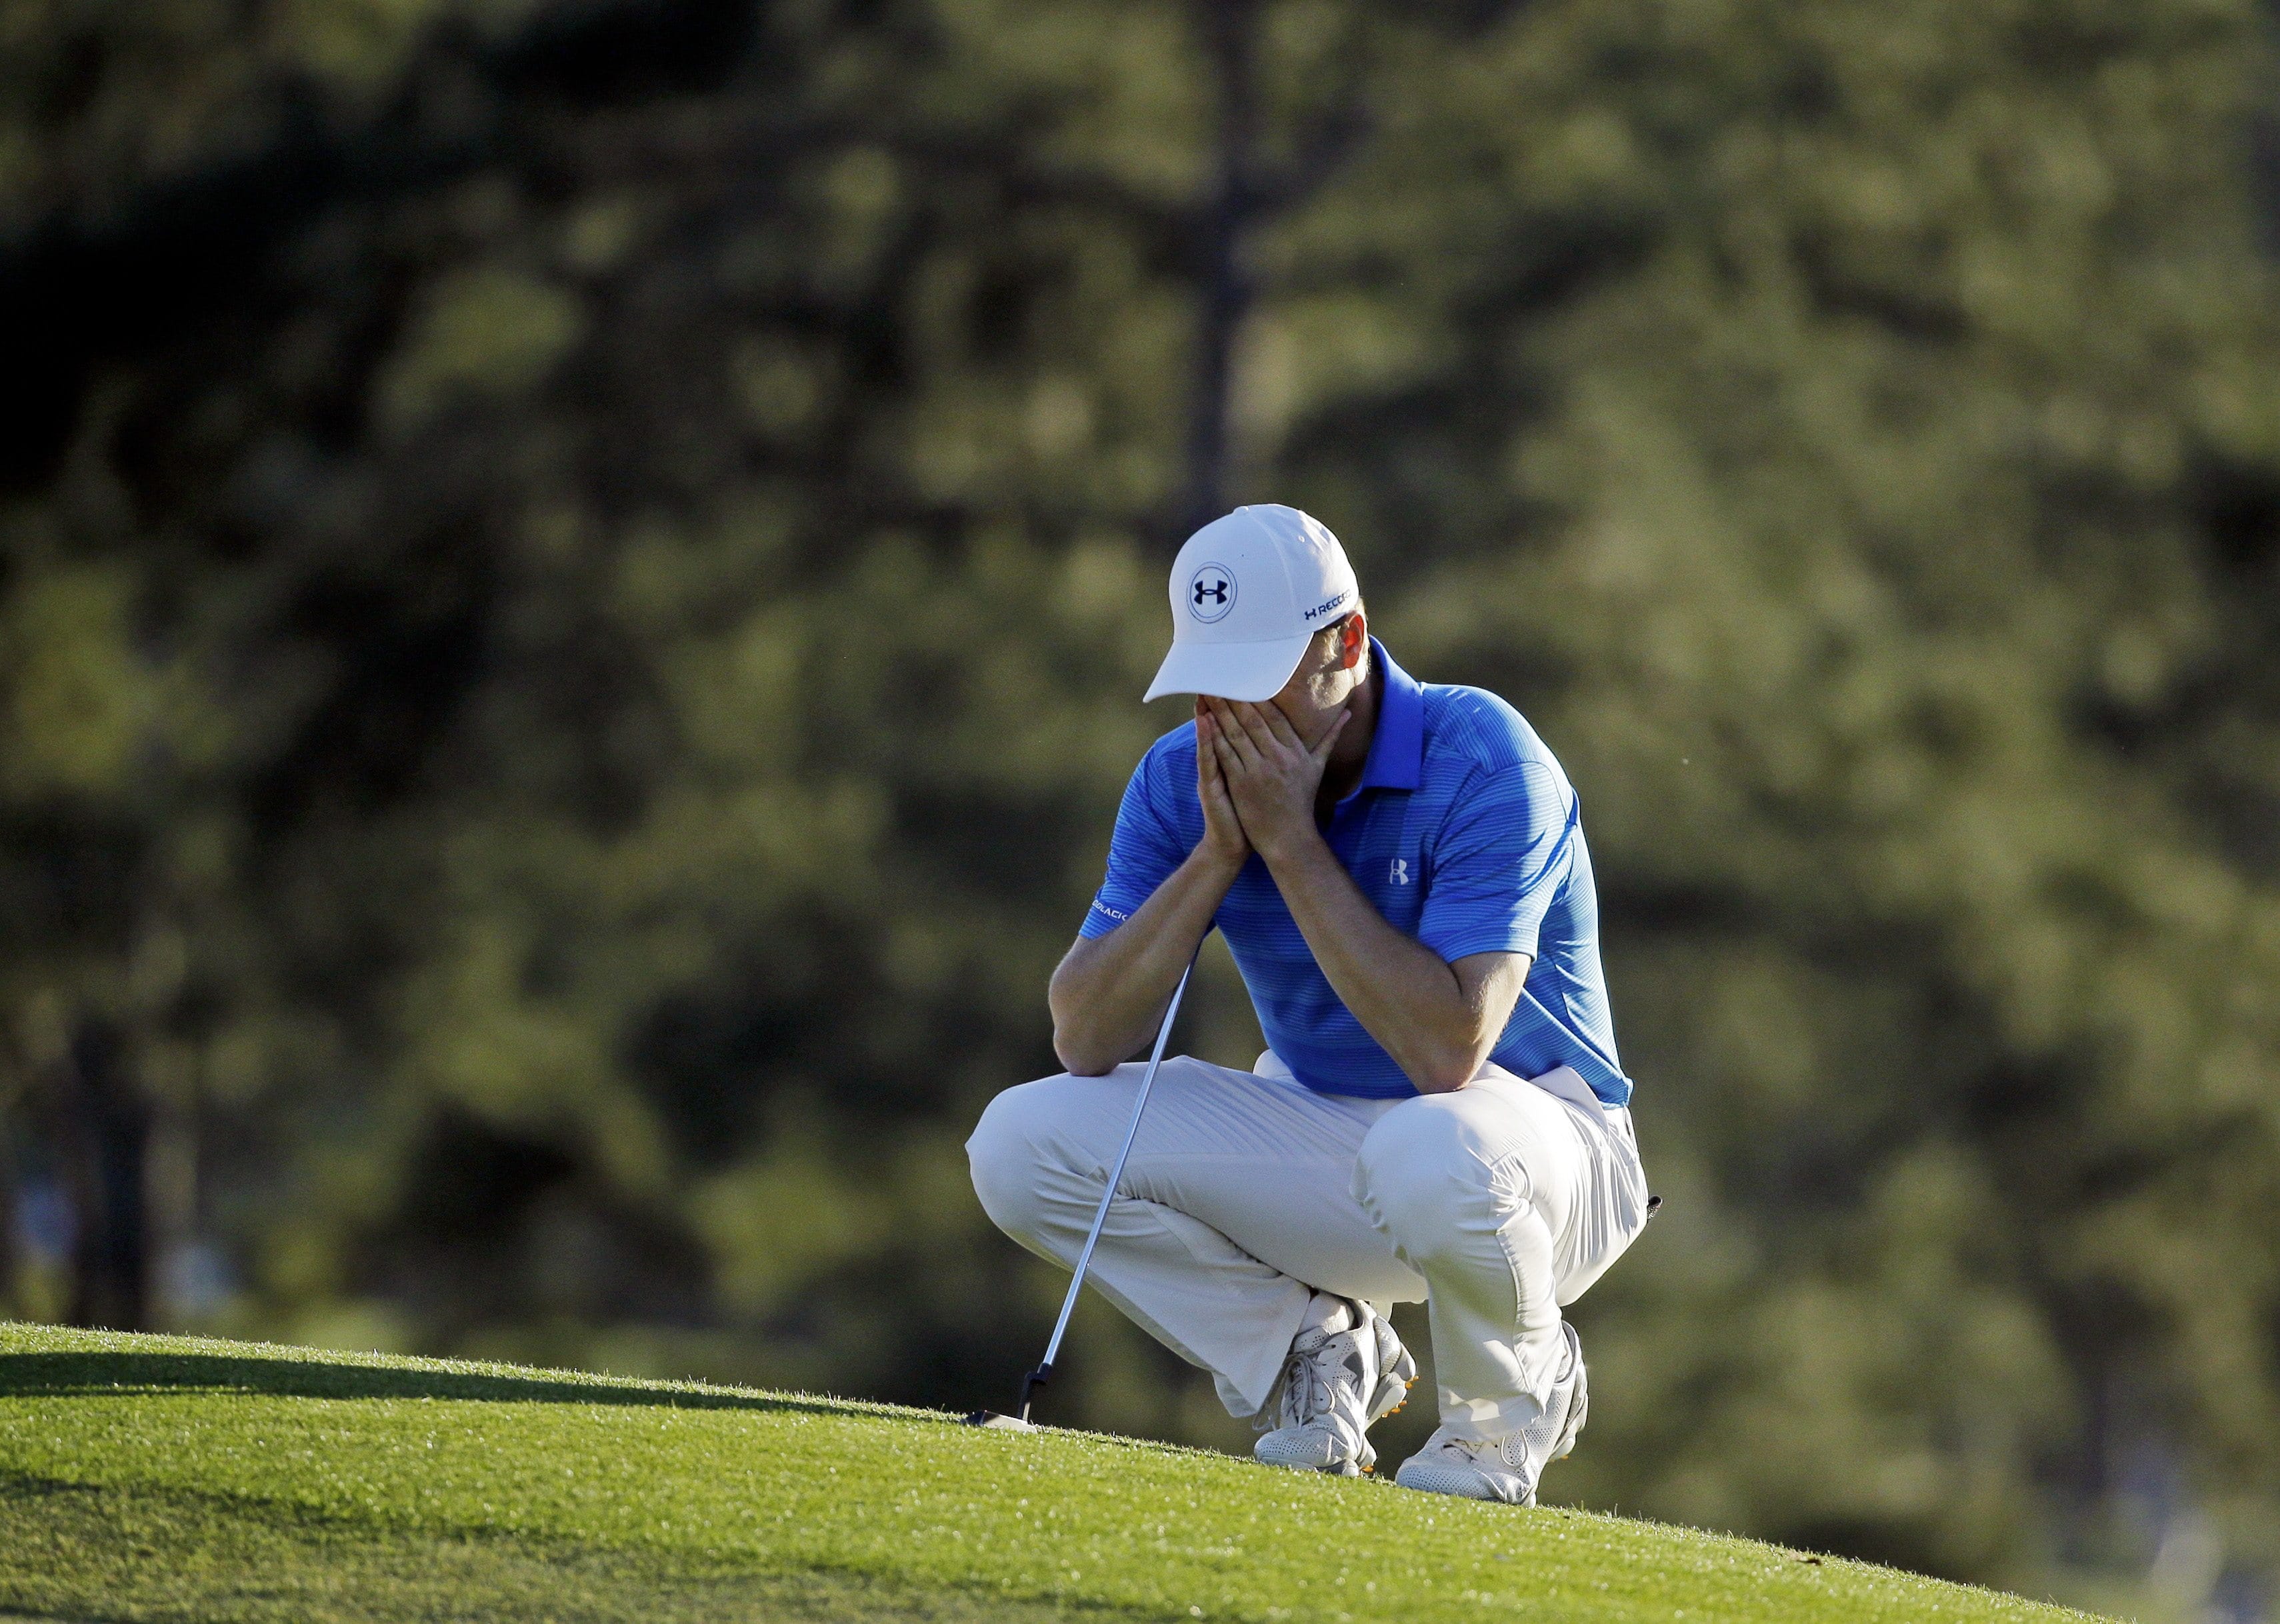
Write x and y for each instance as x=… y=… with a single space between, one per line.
x=1007 y=1152
x=1423 y=1179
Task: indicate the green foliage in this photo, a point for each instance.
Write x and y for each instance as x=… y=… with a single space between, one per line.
x=574 y=581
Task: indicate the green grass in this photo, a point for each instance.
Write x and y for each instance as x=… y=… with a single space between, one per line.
x=166 y=1478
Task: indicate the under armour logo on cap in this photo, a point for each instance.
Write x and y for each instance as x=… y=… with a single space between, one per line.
x=1211 y=593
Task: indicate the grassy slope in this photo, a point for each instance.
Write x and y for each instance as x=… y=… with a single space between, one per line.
x=167 y=1478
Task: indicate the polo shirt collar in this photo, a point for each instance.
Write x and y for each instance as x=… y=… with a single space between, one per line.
x=1397 y=751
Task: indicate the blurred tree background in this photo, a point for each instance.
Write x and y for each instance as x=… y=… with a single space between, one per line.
x=576 y=574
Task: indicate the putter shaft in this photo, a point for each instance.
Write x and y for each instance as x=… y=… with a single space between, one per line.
x=1043 y=1373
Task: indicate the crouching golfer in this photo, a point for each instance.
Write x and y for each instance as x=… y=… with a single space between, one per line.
x=1399 y=871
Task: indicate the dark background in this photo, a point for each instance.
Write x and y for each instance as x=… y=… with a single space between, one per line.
x=574 y=575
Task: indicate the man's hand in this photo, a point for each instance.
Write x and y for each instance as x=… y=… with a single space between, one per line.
x=1270 y=775
x=1109 y=993
x=1224 y=841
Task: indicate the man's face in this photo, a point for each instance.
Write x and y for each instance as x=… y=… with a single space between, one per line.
x=1332 y=667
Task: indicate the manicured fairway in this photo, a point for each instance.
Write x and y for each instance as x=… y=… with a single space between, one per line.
x=160 y=1478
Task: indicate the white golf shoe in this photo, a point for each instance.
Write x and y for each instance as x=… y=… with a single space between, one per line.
x=1507 y=1468
x=1346 y=1370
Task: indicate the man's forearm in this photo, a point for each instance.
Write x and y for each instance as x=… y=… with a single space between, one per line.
x=1110 y=991
x=1406 y=995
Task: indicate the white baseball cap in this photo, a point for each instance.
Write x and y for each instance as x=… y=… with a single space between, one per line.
x=1249 y=592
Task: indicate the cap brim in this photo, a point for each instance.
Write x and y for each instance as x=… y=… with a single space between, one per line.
x=1251 y=671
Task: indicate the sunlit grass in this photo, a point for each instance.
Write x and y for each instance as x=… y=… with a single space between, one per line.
x=169 y=1478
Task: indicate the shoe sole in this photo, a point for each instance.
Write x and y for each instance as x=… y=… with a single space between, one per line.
x=1350 y=1466
x=1457 y=1485
x=1337 y=1469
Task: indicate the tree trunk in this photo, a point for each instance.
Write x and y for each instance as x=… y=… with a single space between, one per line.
x=1229 y=30
x=108 y=1130
x=11 y=1100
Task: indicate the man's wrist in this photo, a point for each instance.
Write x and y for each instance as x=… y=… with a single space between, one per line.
x=1301 y=844
x=1217 y=865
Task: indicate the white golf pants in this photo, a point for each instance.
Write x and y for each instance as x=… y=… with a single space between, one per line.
x=1497 y=1204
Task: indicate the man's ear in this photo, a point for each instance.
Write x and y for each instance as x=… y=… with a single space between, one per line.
x=1353 y=641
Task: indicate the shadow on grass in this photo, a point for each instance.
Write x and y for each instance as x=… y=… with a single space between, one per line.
x=69 y=1551
x=110 y=1375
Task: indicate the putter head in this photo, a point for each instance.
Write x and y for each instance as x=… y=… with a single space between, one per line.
x=1005 y=1423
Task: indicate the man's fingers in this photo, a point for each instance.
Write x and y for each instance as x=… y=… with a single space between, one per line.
x=1232 y=767
x=1254 y=728
x=1210 y=741
x=1215 y=787
x=1322 y=752
x=1279 y=725
x=1211 y=734
x=1232 y=733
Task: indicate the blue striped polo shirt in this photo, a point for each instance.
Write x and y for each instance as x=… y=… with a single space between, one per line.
x=1463 y=832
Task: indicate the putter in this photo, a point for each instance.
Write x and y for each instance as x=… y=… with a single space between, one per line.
x=1019 y=1421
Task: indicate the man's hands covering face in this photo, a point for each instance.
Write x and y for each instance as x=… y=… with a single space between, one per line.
x=1223 y=833
x=1250 y=759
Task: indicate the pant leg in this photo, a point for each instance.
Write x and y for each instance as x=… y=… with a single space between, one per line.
x=1237 y=1204
x=1510 y=1201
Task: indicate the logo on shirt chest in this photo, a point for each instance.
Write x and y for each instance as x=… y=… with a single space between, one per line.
x=1398 y=875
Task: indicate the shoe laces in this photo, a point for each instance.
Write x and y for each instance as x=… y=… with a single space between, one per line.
x=1306 y=1386
x=1312 y=1372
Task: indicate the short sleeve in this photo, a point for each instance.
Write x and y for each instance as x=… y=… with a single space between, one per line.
x=1499 y=863
x=1144 y=849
